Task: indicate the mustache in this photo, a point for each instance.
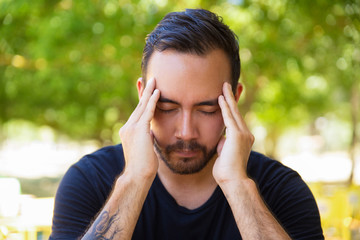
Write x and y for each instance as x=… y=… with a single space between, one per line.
x=182 y=145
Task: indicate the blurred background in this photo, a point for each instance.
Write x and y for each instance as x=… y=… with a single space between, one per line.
x=67 y=84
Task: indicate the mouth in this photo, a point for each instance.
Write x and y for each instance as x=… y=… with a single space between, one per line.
x=186 y=153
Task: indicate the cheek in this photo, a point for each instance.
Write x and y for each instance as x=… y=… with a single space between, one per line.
x=161 y=127
x=213 y=128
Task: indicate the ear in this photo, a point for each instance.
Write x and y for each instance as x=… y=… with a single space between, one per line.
x=239 y=89
x=140 y=85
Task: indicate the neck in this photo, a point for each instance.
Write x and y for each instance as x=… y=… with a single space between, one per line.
x=189 y=190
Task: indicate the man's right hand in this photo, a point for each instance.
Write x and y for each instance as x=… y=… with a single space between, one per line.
x=137 y=138
x=120 y=214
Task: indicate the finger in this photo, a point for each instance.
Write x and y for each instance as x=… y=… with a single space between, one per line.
x=230 y=99
x=149 y=88
x=140 y=108
x=229 y=121
x=149 y=111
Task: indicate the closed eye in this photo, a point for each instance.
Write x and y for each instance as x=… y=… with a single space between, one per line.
x=166 y=110
x=166 y=106
x=208 y=112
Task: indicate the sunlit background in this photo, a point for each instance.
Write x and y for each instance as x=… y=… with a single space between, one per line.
x=67 y=84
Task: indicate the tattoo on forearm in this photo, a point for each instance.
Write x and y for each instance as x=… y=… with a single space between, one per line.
x=106 y=224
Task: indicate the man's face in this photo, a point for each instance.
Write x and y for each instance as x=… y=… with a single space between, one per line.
x=187 y=123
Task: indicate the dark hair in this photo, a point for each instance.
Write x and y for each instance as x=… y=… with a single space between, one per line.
x=195 y=31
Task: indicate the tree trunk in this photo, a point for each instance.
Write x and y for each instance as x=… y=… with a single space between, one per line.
x=355 y=99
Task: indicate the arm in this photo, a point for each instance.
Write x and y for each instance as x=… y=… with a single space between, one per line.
x=253 y=218
x=118 y=218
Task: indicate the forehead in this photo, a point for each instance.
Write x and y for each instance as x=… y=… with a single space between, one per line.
x=187 y=76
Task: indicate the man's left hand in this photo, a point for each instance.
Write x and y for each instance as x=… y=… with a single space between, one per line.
x=234 y=148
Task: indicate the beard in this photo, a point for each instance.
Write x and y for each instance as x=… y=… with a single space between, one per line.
x=183 y=165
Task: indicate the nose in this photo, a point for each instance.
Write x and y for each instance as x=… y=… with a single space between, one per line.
x=186 y=127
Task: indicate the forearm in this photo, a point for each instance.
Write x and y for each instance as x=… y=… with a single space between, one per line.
x=118 y=218
x=253 y=218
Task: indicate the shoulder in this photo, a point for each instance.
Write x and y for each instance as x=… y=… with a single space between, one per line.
x=83 y=191
x=99 y=169
x=272 y=177
x=287 y=195
x=92 y=177
x=109 y=159
x=262 y=168
x=95 y=172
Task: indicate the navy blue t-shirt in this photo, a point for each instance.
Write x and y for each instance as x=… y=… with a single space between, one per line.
x=88 y=183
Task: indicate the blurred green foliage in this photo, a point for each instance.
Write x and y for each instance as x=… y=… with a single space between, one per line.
x=72 y=65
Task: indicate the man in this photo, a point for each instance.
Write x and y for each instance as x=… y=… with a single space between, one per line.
x=185 y=169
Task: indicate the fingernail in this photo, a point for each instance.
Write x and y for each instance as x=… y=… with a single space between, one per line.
x=221 y=98
x=229 y=85
x=149 y=82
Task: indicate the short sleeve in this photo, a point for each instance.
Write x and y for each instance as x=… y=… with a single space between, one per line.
x=83 y=191
x=287 y=196
x=297 y=210
x=75 y=205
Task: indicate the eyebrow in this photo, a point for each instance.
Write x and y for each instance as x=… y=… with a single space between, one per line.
x=212 y=102
x=167 y=100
